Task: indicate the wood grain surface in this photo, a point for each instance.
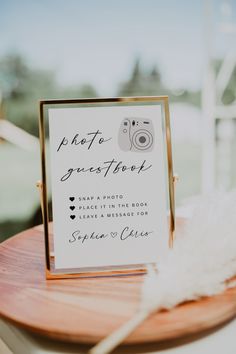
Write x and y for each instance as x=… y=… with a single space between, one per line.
x=86 y=310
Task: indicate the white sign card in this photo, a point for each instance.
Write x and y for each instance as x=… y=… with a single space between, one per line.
x=108 y=183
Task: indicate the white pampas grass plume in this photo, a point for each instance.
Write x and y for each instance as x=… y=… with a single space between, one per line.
x=203 y=259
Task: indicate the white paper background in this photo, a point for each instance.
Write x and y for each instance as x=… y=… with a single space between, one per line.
x=146 y=187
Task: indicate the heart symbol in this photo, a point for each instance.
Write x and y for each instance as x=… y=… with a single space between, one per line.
x=72 y=217
x=114 y=234
x=72 y=199
x=72 y=207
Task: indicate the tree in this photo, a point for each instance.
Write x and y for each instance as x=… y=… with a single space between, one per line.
x=142 y=83
x=23 y=87
x=149 y=83
x=13 y=76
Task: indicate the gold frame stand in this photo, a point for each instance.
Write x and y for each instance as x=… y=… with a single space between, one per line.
x=42 y=187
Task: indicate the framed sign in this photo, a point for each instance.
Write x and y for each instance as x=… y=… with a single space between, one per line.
x=107 y=163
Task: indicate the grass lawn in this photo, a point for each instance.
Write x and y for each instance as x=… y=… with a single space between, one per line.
x=19 y=197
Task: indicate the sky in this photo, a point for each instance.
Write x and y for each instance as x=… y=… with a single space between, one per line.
x=97 y=41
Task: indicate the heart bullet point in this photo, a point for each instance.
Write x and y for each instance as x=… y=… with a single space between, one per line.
x=72 y=199
x=72 y=207
x=72 y=217
x=114 y=234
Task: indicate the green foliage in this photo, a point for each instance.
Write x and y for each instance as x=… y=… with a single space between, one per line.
x=13 y=76
x=23 y=87
x=145 y=83
x=142 y=83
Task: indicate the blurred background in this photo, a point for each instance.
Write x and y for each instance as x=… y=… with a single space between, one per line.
x=75 y=48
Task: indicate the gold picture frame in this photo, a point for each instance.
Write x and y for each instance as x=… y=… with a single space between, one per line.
x=51 y=273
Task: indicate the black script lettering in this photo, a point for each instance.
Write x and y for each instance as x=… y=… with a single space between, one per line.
x=127 y=233
x=63 y=142
x=109 y=168
x=77 y=140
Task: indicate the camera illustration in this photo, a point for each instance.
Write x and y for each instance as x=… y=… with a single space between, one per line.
x=136 y=134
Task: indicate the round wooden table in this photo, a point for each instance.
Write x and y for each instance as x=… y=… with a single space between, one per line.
x=87 y=310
